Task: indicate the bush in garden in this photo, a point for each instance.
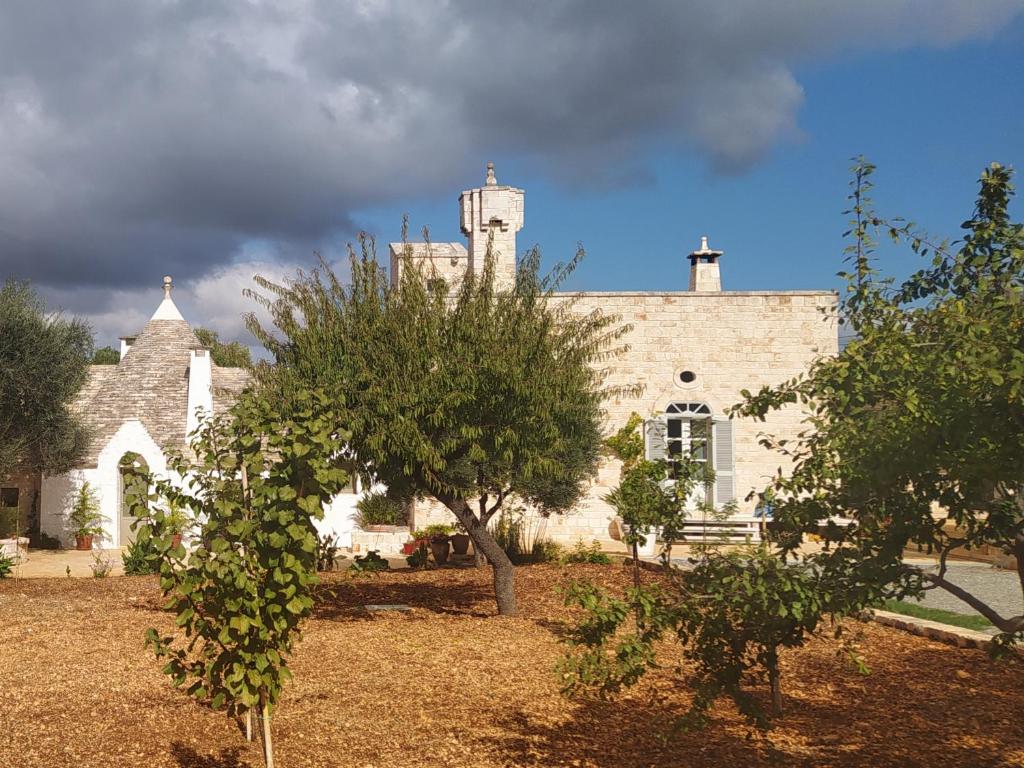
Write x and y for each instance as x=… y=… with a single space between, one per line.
x=369 y=564
x=139 y=558
x=260 y=477
x=732 y=616
x=588 y=554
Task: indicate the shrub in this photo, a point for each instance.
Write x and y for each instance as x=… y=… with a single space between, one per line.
x=369 y=563
x=101 y=566
x=590 y=554
x=326 y=552
x=417 y=559
x=140 y=558
x=6 y=566
x=545 y=551
x=379 y=509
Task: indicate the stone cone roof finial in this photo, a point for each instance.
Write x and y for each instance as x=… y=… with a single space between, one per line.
x=491 y=180
x=168 y=286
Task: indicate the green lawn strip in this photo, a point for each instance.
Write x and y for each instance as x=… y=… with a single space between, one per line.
x=937 y=614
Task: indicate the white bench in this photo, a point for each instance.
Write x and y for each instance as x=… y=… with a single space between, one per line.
x=737 y=529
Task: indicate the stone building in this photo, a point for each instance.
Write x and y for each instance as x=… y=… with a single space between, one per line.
x=140 y=409
x=693 y=349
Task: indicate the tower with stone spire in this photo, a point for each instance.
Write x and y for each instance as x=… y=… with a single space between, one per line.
x=490 y=217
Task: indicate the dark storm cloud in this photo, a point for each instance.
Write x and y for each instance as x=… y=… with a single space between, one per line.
x=143 y=137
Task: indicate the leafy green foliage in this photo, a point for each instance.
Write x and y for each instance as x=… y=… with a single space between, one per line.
x=140 y=558
x=260 y=477
x=106 y=356
x=732 y=615
x=326 y=552
x=468 y=393
x=590 y=554
x=419 y=558
x=915 y=428
x=44 y=361
x=232 y=354
x=6 y=566
x=84 y=518
x=369 y=563
x=378 y=508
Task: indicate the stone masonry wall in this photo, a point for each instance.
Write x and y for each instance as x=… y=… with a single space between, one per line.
x=731 y=341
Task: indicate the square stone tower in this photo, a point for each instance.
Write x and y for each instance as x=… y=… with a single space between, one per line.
x=490 y=217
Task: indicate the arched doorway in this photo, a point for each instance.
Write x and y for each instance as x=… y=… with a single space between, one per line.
x=130 y=461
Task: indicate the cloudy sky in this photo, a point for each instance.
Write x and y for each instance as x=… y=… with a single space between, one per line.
x=213 y=140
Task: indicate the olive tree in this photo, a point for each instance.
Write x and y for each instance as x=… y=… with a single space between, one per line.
x=258 y=478
x=469 y=393
x=44 y=362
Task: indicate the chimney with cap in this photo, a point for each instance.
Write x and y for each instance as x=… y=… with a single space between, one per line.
x=704 y=273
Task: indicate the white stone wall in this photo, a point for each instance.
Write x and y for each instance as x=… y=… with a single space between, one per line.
x=58 y=492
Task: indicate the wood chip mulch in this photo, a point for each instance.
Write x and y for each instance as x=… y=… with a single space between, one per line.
x=450 y=684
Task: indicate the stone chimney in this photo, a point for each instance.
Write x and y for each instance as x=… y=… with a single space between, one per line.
x=200 y=388
x=492 y=214
x=704 y=273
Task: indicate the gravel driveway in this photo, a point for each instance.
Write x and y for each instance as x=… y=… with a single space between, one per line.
x=997 y=587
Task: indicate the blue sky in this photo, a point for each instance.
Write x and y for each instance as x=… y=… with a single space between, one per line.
x=930 y=119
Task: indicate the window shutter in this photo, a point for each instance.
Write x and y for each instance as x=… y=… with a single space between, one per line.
x=655 y=439
x=723 y=461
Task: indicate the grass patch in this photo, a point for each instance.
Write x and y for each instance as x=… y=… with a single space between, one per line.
x=937 y=614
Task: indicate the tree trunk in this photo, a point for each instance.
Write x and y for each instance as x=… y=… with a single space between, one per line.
x=775 y=684
x=636 y=565
x=485 y=545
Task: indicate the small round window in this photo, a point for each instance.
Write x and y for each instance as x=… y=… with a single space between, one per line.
x=687 y=377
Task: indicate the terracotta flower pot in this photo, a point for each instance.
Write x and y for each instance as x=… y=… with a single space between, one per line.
x=439 y=549
x=409 y=547
x=460 y=543
x=83 y=543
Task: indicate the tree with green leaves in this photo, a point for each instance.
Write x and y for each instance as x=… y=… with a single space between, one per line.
x=260 y=476
x=655 y=495
x=916 y=429
x=106 y=356
x=732 y=614
x=470 y=393
x=232 y=354
x=44 y=360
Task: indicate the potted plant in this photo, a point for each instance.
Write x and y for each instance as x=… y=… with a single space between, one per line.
x=380 y=513
x=440 y=541
x=84 y=519
x=176 y=522
x=460 y=541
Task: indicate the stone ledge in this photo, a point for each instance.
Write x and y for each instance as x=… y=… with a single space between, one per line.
x=934 y=630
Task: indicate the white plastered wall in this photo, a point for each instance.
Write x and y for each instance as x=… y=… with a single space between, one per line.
x=58 y=492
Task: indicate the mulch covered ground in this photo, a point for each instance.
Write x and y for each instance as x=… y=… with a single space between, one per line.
x=451 y=685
